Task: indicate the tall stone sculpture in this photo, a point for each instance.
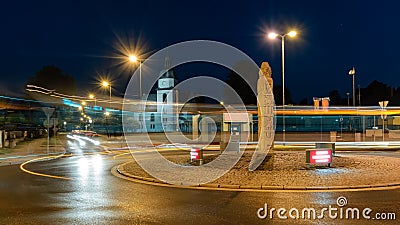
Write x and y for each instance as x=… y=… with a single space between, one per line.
x=265 y=104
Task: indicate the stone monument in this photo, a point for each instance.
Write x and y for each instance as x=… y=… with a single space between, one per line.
x=265 y=104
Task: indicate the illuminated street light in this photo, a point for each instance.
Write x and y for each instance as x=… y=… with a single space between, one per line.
x=133 y=59
x=83 y=103
x=273 y=35
x=292 y=33
x=352 y=73
x=107 y=84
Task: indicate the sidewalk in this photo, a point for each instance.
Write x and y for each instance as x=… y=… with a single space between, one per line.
x=27 y=150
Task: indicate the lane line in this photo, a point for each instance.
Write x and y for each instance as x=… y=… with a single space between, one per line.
x=22 y=166
x=41 y=174
x=121 y=154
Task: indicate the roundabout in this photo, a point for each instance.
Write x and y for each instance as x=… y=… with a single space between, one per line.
x=349 y=171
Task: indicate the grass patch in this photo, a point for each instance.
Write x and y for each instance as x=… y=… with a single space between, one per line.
x=5 y=151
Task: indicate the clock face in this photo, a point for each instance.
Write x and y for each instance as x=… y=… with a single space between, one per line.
x=165 y=83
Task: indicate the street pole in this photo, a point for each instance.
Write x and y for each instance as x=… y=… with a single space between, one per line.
x=109 y=105
x=283 y=71
x=94 y=117
x=273 y=35
x=283 y=88
x=354 y=94
x=352 y=73
x=48 y=132
x=383 y=105
x=48 y=112
x=140 y=95
x=140 y=79
x=383 y=129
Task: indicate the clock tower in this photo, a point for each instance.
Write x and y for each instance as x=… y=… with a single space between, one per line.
x=166 y=97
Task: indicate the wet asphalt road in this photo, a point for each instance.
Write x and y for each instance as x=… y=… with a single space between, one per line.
x=95 y=196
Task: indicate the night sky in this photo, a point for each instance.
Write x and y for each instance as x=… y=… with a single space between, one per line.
x=80 y=38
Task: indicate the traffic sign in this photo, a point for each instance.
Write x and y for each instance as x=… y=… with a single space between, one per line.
x=50 y=123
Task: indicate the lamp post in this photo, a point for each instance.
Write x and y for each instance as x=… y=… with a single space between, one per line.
x=352 y=73
x=48 y=112
x=348 y=99
x=383 y=105
x=282 y=36
x=107 y=114
x=273 y=35
x=107 y=84
x=93 y=97
x=133 y=58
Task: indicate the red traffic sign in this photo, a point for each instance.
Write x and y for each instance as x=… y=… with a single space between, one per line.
x=319 y=156
x=196 y=154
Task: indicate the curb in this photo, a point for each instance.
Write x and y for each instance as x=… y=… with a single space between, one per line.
x=151 y=181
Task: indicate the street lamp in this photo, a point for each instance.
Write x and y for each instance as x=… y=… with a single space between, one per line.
x=273 y=35
x=107 y=84
x=133 y=59
x=348 y=99
x=352 y=72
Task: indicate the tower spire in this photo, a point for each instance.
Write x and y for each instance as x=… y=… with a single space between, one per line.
x=167 y=64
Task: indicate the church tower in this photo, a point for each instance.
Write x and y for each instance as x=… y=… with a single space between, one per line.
x=166 y=97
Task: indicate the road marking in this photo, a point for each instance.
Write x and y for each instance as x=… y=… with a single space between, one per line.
x=121 y=154
x=41 y=174
x=22 y=166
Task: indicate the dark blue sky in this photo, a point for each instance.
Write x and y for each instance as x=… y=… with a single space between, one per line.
x=79 y=37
